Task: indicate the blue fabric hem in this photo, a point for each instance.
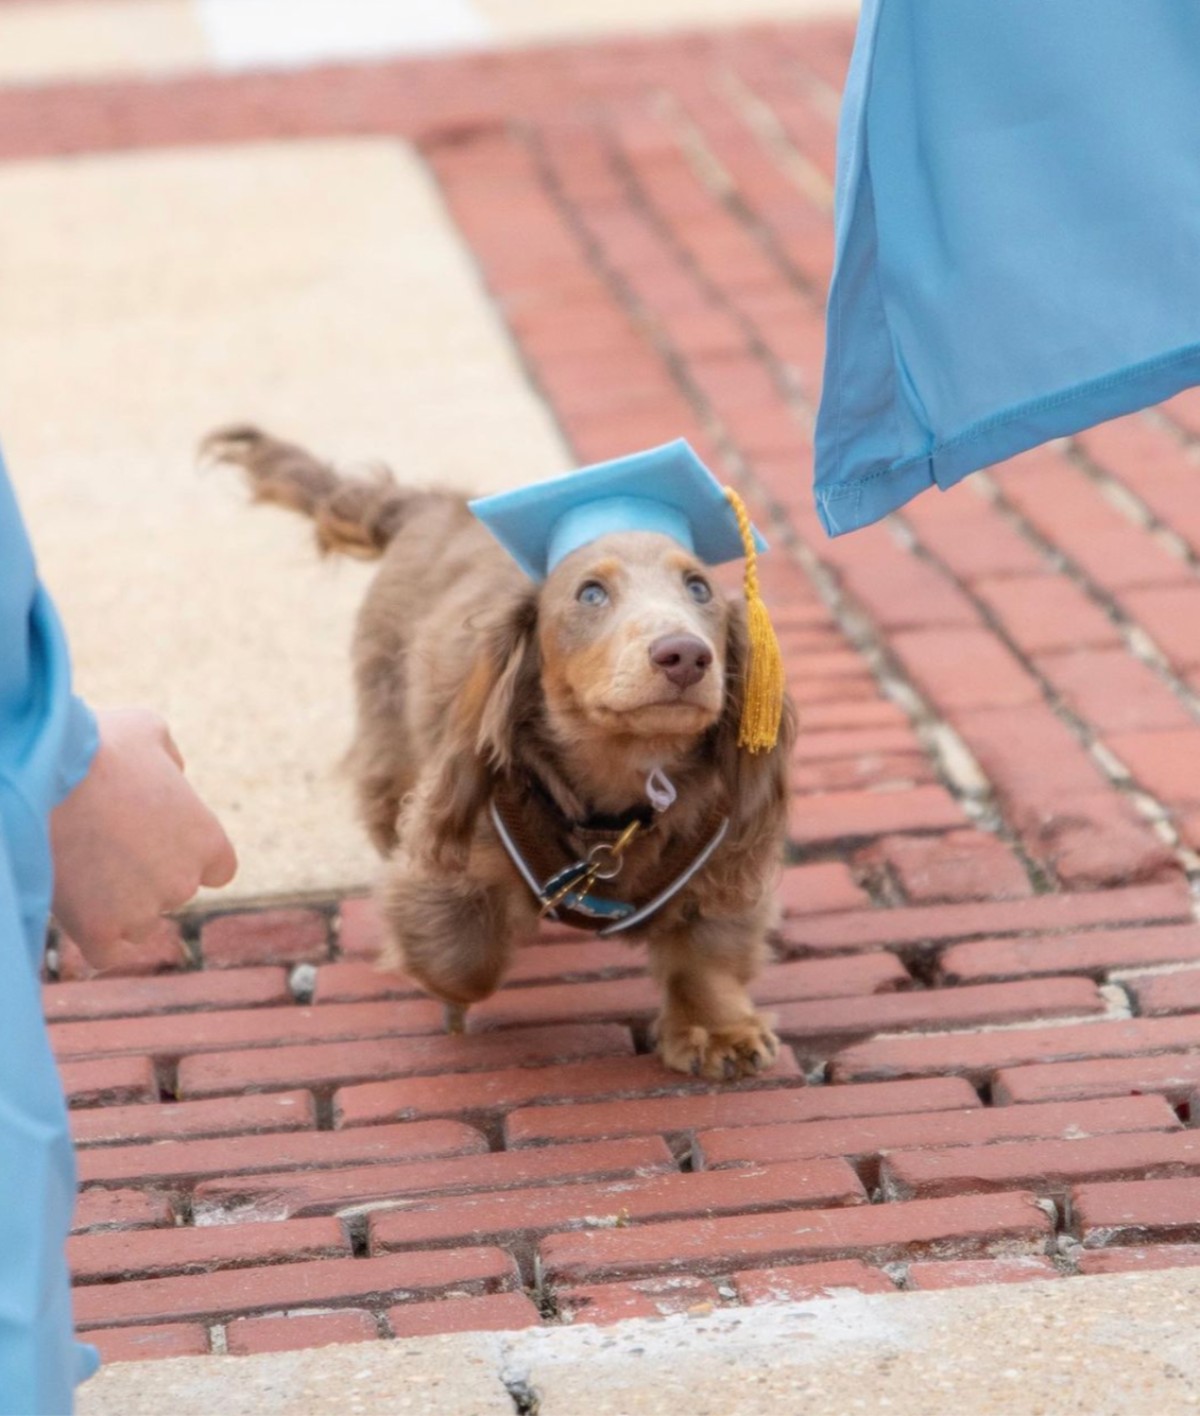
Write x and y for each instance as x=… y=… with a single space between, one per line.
x=81 y=738
x=872 y=495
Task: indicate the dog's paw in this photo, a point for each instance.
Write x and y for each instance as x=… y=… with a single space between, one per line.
x=722 y=1054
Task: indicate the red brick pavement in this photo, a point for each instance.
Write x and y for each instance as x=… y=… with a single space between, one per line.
x=987 y=974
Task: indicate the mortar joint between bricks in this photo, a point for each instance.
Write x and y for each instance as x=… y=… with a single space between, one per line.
x=923 y=966
x=642 y=1032
x=302 y=983
x=545 y=1300
x=708 y=168
x=869 y=1169
x=1078 y=726
x=335 y=930
x=358 y=1231
x=815 y=1069
x=979 y=800
x=51 y=958
x=1119 y=1001
x=684 y=1152
x=490 y=1124
x=1132 y=975
x=189 y=939
x=1065 y=1257
x=897 y=1272
x=331 y=911
x=882 y=884
x=194 y=916
x=1019 y=1025
x=1169 y=836
x=166 y=1078
x=825 y=97
x=1181 y=435
x=953 y=761
x=1050 y=1209
x=761 y=120
x=955 y=765
x=1133 y=507
x=712 y=174
x=816 y=853
x=1062 y=1246
x=1137 y=641
x=880 y=881
x=1057 y=560
x=323 y=1109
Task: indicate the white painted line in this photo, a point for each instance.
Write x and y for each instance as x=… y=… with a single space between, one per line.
x=247 y=34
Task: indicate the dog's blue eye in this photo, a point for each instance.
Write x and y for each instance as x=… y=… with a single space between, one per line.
x=591 y=592
x=699 y=589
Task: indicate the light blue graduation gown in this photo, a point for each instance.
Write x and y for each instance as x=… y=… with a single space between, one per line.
x=47 y=738
x=1018 y=236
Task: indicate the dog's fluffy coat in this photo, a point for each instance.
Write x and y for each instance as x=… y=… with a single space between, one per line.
x=465 y=671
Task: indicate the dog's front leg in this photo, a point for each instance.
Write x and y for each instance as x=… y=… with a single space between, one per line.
x=708 y=1025
x=453 y=936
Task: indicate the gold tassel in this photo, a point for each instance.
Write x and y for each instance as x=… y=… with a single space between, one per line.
x=762 y=706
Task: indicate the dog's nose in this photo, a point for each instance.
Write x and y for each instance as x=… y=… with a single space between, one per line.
x=682 y=657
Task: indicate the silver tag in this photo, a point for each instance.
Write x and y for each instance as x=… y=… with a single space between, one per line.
x=660 y=790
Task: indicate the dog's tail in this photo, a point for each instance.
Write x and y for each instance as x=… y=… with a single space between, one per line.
x=357 y=516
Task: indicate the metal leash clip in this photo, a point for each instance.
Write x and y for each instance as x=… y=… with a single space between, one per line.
x=603 y=862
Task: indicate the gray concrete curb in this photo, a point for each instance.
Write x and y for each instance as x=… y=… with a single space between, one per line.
x=1119 y=1345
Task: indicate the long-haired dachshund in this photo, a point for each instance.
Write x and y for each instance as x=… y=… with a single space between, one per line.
x=509 y=730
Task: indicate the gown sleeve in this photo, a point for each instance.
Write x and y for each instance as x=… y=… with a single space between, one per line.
x=1018 y=217
x=47 y=740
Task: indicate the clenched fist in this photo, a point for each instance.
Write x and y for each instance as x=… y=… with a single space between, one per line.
x=133 y=840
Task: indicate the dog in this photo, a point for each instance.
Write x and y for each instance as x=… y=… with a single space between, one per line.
x=503 y=724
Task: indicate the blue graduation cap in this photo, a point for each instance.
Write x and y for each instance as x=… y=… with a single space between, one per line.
x=665 y=489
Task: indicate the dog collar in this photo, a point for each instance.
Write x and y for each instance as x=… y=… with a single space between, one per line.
x=596 y=828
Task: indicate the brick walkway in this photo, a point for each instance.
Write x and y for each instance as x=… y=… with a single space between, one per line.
x=988 y=978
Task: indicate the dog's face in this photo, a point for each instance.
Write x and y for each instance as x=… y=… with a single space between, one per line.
x=632 y=633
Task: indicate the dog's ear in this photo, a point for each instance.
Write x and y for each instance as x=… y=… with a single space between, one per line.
x=482 y=726
x=758 y=784
x=511 y=698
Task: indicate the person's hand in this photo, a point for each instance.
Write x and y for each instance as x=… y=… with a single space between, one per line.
x=133 y=839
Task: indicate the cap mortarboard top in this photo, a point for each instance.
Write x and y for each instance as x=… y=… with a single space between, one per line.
x=664 y=489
